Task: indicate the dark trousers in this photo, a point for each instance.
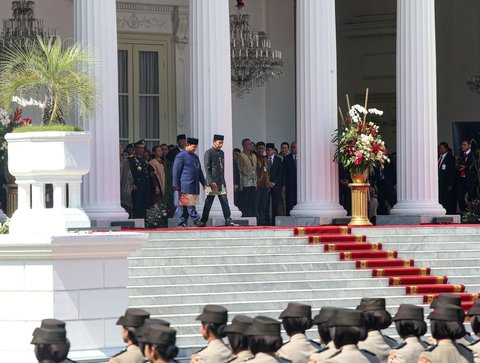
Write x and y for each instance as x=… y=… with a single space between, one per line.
x=290 y=199
x=447 y=199
x=140 y=201
x=465 y=188
x=208 y=205
x=191 y=211
x=275 y=196
x=385 y=194
x=261 y=205
x=248 y=202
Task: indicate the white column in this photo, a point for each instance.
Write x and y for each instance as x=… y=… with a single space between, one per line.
x=211 y=100
x=95 y=26
x=317 y=174
x=416 y=110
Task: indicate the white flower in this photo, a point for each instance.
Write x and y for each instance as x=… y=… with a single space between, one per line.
x=31 y=102
x=375 y=111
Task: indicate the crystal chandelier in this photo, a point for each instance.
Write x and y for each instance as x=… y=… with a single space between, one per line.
x=254 y=62
x=23 y=26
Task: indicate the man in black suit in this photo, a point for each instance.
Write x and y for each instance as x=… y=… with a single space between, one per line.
x=385 y=180
x=276 y=173
x=447 y=176
x=289 y=180
x=467 y=181
x=214 y=160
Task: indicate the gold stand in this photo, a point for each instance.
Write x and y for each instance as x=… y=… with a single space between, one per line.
x=359 y=204
x=12 y=199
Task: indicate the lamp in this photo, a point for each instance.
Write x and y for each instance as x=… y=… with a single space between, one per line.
x=23 y=26
x=253 y=61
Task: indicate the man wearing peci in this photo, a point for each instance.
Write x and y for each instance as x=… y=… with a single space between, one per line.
x=214 y=160
x=290 y=178
x=276 y=173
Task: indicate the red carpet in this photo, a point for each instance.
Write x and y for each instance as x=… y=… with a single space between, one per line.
x=400 y=272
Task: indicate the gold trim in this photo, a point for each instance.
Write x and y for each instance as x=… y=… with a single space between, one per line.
x=390 y=255
x=430 y=298
x=439 y=279
x=457 y=288
x=375 y=246
x=358 y=238
x=395 y=280
x=379 y=272
x=413 y=289
x=331 y=247
x=316 y=239
x=423 y=271
x=406 y=263
x=347 y=256
x=363 y=264
x=300 y=231
x=344 y=230
x=474 y=296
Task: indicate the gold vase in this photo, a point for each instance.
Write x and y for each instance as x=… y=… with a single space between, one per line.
x=360 y=189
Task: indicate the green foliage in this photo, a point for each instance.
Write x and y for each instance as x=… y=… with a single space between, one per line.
x=157 y=216
x=472 y=215
x=52 y=127
x=49 y=70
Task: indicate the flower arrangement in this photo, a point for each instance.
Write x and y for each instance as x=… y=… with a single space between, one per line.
x=359 y=145
x=157 y=216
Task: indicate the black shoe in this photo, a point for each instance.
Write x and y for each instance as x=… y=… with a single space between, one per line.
x=182 y=225
x=230 y=223
x=199 y=224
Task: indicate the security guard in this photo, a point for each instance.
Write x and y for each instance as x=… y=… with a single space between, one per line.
x=447 y=326
x=349 y=329
x=159 y=343
x=410 y=326
x=296 y=319
x=376 y=319
x=214 y=319
x=265 y=339
x=51 y=343
x=131 y=322
x=237 y=339
x=329 y=348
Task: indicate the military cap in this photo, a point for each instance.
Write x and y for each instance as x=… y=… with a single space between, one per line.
x=129 y=146
x=140 y=143
x=270 y=145
x=54 y=323
x=148 y=322
x=181 y=137
x=447 y=312
x=325 y=314
x=263 y=325
x=346 y=317
x=371 y=303
x=239 y=325
x=296 y=310
x=475 y=309
x=133 y=318
x=446 y=299
x=218 y=137
x=408 y=312
x=158 y=334
x=215 y=314
x=192 y=141
x=49 y=335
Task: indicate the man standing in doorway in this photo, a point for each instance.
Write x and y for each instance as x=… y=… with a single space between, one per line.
x=290 y=178
x=276 y=173
x=247 y=166
x=214 y=160
x=187 y=175
x=467 y=181
x=447 y=176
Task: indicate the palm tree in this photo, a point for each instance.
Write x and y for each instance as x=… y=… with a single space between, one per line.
x=48 y=70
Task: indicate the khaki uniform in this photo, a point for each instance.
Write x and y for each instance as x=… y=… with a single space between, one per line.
x=408 y=352
x=242 y=356
x=447 y=352
x=214 y=352
x=475 y=348
x=263 y=358
x=298 y=349
x=378 y=344
x=351 y=354
x=130 y=355
x=323 y=354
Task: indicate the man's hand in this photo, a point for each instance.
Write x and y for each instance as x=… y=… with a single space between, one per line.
x=214 y=186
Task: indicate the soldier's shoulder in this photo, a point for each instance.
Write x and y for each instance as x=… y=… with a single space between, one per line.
x=390 y=341
x=400 y=346
x=474 y=342
x=119 y=353
x=367 y=353
x=319 y=347
x=283 y=360
x=431 y=348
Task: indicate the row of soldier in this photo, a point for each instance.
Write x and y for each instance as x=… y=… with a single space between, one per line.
x=346 y=335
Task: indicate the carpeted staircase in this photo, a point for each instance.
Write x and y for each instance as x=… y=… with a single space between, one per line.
x=259 y=270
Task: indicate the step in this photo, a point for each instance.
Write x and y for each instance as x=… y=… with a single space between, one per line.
x=442 y=254
x=261 y=286
x=418 y=280
x=448 y=262
x=196 y=233
x=384 y=263
x=239 y=268
x=356 y=255
x=405 y=239
x=431 y=245
x=257 y=296
x=415 y=230
x=245 y=277
x=473 y=270
x=348 y=246
x=400 y=271
x=226 y=242
x=329 y=238
x=192 y=260
x=435 y=288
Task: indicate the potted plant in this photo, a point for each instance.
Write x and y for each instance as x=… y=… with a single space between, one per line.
x=50 y=152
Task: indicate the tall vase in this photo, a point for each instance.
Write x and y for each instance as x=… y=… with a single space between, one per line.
x=360 y=189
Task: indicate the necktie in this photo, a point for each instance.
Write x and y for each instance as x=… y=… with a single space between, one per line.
x=271 y=160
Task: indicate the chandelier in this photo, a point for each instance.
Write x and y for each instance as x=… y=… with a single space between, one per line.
x=23 y=26
x=253 y=60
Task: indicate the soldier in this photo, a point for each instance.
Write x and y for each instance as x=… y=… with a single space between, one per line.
x=131 y=322
x=321 y=320
x=214 y=319
x=296 y=319
x=187 y=175
x=237 y=339
x=159 y=343
x=51 y=343
x=348 y=329
x=214 y=160
x=410 y=326
x=264 y=340
x=141 y=186
x=376 y=319
x=446 y=326
x=149 y=321
x=474 y=314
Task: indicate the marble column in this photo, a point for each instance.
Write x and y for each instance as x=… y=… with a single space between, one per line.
x=417 y=172
x=317 y=174
x=211 y=97
x=95 y=25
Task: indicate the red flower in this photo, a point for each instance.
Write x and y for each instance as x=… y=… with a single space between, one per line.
x=26 y=121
